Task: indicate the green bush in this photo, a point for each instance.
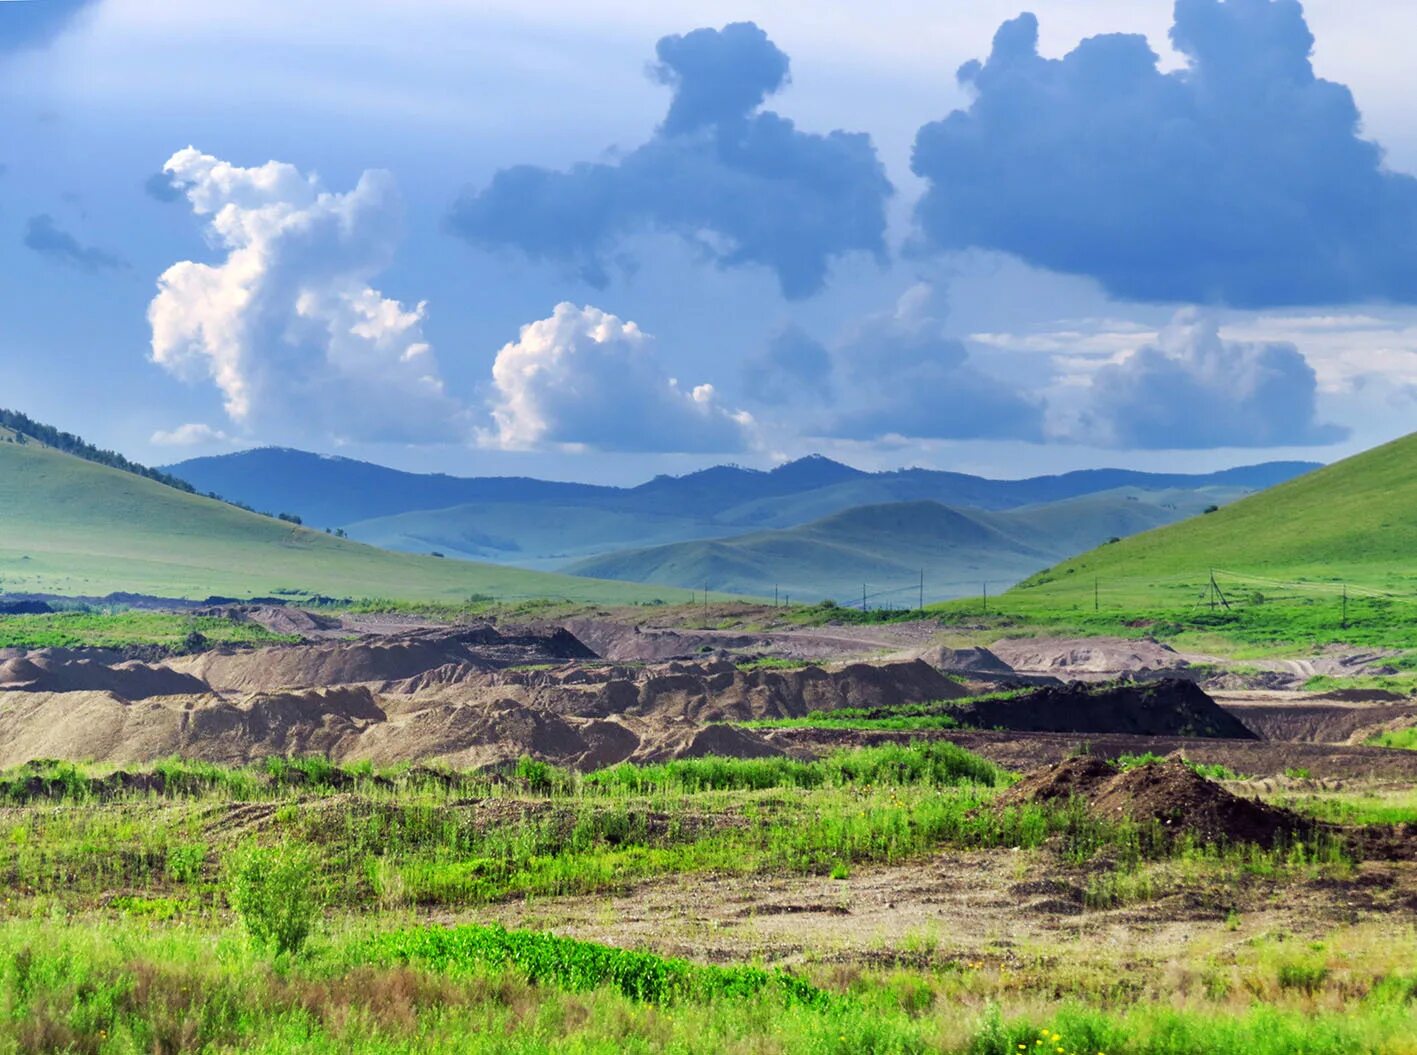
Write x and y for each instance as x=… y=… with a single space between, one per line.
x=272 y=889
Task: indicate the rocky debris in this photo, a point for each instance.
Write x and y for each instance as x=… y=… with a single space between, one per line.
x=1168 y=793
x=1083 y=656
x=1170 y=707
x=381 y=659
x=57 y=672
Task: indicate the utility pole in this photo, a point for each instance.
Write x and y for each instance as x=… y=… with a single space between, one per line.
x=1345 y=606
x=863 y=597
x=986 y=597
x=1097 y=595
x=774 y=595
x=922 y=589
x=706 y=615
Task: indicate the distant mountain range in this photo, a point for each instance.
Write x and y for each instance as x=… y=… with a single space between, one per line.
x=736 y=529
x=895 y=554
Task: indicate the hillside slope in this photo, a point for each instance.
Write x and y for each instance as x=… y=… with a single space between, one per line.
x=1353 y=522
x=887 y=547
x=71 y=526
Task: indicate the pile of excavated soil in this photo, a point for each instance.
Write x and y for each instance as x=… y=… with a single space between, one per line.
x=710 y=691
x=48 y=672
x=1093 y=655
x=1320 y=720
x=381 y=659
x=278 y=619
x=965 y=660
x=1168 y=793
x=1171 y=707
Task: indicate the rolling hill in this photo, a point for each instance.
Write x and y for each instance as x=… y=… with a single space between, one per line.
x=73 y=526
x=1353 y=522
x=885 y=548
x=547 y=525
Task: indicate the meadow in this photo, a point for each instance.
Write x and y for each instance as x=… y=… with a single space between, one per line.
x=300 y=906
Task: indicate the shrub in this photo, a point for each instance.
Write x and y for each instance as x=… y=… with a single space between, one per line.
x=272 y=890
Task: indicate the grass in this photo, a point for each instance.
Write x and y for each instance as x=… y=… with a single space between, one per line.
x=121 y=628
x=1284 y=560
x=77 y=528
x=1405 y=739
x=933 y=714
x=117 y=935
x=1211 y=771
x=125 y=986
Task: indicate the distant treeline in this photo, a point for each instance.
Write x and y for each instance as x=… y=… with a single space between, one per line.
x=71 y=444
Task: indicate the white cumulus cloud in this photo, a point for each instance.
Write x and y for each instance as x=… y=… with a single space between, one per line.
x=193 y=434
x=585 y=379
x=288 y=325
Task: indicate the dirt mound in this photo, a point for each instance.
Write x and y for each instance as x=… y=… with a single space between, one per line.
x=131 y=680
x=278 y=619
x=1171 y=707
x=1263 y=681
x=965 y=660
x=628 y=643
x=700 y=742
x=1318 y=721
x=1095 y=655
x=1168 y=793
x=25 y=608
x=711 y=691
x=381 y=659
x=1073 y=778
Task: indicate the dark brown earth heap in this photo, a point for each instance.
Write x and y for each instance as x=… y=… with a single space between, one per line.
x=1172 y=707
x=1169 y=793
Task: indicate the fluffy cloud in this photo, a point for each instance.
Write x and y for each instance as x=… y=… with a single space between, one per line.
x=287 y=325
x=794 y=366
x=914 y=381
x=193 y=434
x=1240 y=179
x=1194 y=390
x=46 y=237
x=584 y=379
x=34 y=23
x=741 y=183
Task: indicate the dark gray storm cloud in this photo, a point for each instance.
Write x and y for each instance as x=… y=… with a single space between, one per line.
x=743 y=184
x=905 y=377
x=46 y=237
x=794 y=367
x=34 y=23
x=1193 y=390
x=1240 y=179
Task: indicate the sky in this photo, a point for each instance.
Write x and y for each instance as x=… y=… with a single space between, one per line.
x=607 y=239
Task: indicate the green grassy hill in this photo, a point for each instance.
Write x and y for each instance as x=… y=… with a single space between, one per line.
x=886 y=547
x=1294 y=547
x=74 y=527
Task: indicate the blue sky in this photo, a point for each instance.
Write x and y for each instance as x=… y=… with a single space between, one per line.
x=612 y=238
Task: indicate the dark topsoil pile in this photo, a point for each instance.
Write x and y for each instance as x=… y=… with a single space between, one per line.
x=1172 y=707
x=1169 y=793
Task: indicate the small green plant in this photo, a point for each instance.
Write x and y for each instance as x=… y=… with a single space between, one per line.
x=1297 y=773
x=1306 y=977
x=272 y=890
x=841 y=870
x=184 y=862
